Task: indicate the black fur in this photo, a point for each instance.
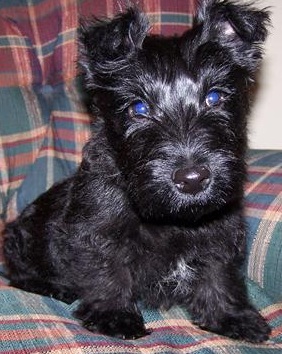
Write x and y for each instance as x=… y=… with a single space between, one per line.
x=154 y=212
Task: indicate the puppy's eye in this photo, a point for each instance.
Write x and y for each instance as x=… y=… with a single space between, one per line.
x=139 y=109
x=213 y=98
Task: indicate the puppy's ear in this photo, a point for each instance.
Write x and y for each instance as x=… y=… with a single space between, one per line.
x=240 y=27
x=106 y=45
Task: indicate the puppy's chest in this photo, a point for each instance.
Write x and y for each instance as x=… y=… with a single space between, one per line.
x=167 y=268
x=179 y=278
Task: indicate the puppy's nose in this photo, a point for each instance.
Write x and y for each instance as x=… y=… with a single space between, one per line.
x=191 y=180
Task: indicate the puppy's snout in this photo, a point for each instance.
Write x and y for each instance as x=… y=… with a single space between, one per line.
x=192 y=180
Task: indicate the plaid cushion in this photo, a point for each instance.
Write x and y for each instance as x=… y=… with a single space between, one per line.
x=31 y=323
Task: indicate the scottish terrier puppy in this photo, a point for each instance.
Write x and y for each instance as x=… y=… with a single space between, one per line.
x=154 y=212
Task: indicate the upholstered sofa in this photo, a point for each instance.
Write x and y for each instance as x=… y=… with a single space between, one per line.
x=43 y=127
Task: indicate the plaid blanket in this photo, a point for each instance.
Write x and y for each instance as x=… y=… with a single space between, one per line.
x=43 y=127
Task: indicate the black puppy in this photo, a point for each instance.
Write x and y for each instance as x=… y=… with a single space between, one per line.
x=154 y=212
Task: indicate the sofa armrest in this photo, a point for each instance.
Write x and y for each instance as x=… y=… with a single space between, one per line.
x=264 y=217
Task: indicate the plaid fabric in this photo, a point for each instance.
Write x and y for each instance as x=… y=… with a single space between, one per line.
x=43 y=127
x=264 y=216
x=31 y=323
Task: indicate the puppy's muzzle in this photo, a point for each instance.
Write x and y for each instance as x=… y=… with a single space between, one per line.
x=192 y=180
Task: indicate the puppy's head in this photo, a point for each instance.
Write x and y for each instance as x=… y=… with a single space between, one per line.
x=175 y=108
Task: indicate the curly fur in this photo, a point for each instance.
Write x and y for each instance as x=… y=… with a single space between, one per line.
x=120 y=230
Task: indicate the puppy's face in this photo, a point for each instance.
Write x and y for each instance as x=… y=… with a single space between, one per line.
x=175 y=108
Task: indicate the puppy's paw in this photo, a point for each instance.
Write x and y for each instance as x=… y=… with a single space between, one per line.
x=247 y=325
x=124 y=325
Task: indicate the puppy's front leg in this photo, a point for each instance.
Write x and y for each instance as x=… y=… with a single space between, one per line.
x=126 y=323
x=108 y=305
x=220 y=305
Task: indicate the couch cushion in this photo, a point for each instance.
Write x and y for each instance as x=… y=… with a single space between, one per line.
x=31 y=323
x=44 y=123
